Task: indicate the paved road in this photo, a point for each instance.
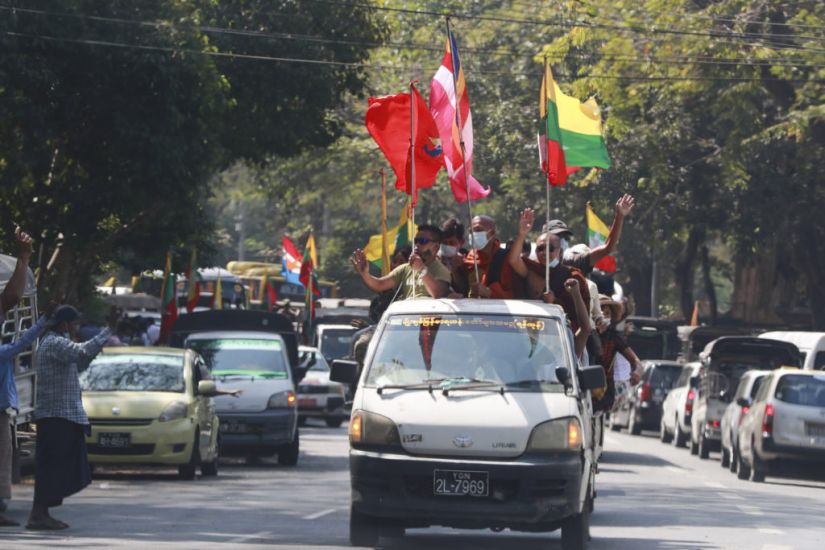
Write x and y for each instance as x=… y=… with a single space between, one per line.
x=651 y=496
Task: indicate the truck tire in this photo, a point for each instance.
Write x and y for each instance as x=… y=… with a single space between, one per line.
x=362 y=529
x=634 y=427
x=679 y=437
x=704 y=450
x=694 y=446
x=575 y=531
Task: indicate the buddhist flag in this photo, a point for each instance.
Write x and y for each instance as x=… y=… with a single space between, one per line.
x=597 y=235
x=397 y=237
x=570 y=132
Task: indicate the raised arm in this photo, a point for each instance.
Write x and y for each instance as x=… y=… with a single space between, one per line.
x=17 y=283
x=624 y=206
x=525 y=224
x=376 y=284
x=25 y=341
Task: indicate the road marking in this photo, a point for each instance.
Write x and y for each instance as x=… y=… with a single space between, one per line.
x=731 y=496
x=751 y=510
x=770 y=531
x=243 y=538
x=321 y=514
x=676 y=469
x=777 y=547
x=714 y=485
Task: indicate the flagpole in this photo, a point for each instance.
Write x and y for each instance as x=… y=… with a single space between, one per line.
x=461 y=142
x=412 y=152
x=385 y=252
x=547 y=178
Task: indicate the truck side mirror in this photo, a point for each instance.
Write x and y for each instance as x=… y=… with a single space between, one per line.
x=563 y=376
x=592 y=377
x=344 y=371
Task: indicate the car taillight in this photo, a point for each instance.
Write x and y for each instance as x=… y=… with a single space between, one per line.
x=644 y=393
x=745 y=410
x=713 y=423
x=689 y=403
x=767 y=421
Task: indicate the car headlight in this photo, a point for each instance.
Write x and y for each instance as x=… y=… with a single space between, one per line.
x=173 y=411
x=368 y=429
x=556 y=435
x=281 y=400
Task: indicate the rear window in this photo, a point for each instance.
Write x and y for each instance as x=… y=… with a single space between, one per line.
x=336 y=343
x=799 y=389
x=756 y=385
x=819 y=361
x=664 y=376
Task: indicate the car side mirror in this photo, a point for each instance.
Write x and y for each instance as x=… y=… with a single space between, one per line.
x=344 y=371
x=563 y=376
x=743 y=402
x=207 y=388
x=592 y=377
x=298 y=373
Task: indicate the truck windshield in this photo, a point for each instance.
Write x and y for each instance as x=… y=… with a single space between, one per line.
x=241 y=356
x=518 y=353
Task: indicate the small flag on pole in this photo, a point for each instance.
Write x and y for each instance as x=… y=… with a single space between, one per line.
x=597 y=233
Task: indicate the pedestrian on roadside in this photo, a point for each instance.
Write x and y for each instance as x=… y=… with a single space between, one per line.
x=62 y=465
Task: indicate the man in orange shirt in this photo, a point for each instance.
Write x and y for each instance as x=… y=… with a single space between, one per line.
x=495 y=276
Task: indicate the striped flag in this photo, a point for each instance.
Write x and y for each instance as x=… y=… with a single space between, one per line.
x=453 y=127
x=396 y=237
x=291 y=262
x=597 y=235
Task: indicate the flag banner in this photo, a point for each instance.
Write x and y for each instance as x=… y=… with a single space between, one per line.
x=596 y=236
x=308 y=265
x=193 y=287
x=447 y=85
x=397 y=237
x=388 y=122
x=267 y=293
x=570 y=133
x=217 y=296
x=291 y=262
x=169 y=307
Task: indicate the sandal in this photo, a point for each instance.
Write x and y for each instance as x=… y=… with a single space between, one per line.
x=46 y=524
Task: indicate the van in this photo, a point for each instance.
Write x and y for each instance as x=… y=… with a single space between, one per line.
x=471 y=414
x=811 y=346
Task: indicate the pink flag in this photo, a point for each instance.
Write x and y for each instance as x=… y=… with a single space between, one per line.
x=443 y=107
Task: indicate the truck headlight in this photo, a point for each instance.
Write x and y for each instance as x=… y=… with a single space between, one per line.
x=556 y=435
x=368 y=429
x=281 y=400
x=173 y=411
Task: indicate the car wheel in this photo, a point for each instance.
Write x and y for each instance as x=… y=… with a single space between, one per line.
x=575 y=531
x=743 y=470
x=704 y=450
x=758 y=466
x=211 y=468
x=187 y=471
x=362 y=529
x=734 y=459
x=633 y=426
x=288 y=456
x=725 y=458
x=614 y=426
x=334 y=422
x=664 y=436
x=679 y=437
x=694 y=446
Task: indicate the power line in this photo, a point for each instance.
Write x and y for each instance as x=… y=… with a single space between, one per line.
x=407 y=69
x=699 y=60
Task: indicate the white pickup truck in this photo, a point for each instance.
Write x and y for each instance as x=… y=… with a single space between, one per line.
x=17 y=320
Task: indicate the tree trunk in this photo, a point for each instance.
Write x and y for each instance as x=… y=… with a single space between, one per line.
x=683 y=270
x=758 y=291
x=639 y=286
x=709 y=290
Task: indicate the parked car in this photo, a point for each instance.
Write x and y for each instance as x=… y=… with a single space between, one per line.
x=151 y=405
x=748 y=386
x=724 y=361
x=811 y=346
x=785 y=423
x=334 y=341
x=471 y=414
x=318 y=396
x=677 y=408
x=642 y=410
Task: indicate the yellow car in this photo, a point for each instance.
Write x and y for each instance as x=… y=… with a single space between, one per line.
x=152 y=406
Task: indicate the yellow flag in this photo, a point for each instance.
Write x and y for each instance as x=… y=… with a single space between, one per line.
x=218 y=296
x=310 y=249
x=396 y=237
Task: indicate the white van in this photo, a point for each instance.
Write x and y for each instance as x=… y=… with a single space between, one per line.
x=811 y=346
x=471 y=414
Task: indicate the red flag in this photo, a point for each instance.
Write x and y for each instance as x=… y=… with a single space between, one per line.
x=388 y=122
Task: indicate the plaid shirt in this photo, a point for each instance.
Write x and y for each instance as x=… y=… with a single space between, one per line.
x=59 y=360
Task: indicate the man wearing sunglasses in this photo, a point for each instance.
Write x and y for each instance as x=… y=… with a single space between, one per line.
x=422 y=277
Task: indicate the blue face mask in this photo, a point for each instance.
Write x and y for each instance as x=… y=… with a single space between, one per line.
x=480 y=239
x=554 y=263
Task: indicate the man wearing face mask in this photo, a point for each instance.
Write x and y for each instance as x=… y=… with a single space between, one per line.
x=548 y=252
x=495 y=276
x=62 y=466
x=452 y=254
x=422 y=277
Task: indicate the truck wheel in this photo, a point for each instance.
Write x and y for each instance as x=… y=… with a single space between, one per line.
x=633 y=425
x=614 y=426
x=704 y=451
x=575 y=531
x=758 y=466
x=187 y=471
x=664 y=435
x=288 y=456
x=734 y=459
x=679 y=437
x=334 y=422
x=725 y=458
x=362 y=529
x=694 y=446
x=743 y=470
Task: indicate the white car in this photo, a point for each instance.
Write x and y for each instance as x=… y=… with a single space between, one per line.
x=811 y=346
x=471 y=414
x=786 y=423
x=334 y=341
x=749 y=385
x=677 y=407
x=318 y=396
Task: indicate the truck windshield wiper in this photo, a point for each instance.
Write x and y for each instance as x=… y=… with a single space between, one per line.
x=531 y=382
x=425 y=385
x=453 y=384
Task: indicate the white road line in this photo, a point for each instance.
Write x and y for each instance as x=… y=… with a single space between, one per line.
x=731 y=496
x=675 y=469
x=243 y=538
x=777 y=547
x=771 y=531
x=751 y=510
x=714 y=485
x=321 y=514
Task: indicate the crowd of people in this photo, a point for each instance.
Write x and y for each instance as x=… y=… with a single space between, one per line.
x=551 y=270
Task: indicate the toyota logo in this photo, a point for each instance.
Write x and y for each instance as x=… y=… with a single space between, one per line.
x=116 y=411
x=463 y=441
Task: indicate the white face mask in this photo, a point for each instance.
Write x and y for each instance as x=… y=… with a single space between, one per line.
x=564 y=244
x=448 y=251
x=554 y=263
x=479 y=239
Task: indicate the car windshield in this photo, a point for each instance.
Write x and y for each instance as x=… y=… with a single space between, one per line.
x=242 y=356
x=336 y=343
x=139 y=372
x=519 y=353
x=800 y=389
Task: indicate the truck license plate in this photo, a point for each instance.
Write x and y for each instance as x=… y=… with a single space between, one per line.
x=461 y=483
